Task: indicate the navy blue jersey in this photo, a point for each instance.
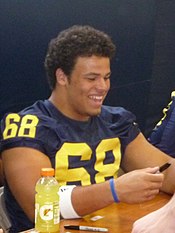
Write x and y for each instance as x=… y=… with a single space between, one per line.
x=163 y=136
x=82 y=153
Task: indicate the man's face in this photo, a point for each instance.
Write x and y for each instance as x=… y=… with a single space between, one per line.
x=88 y=86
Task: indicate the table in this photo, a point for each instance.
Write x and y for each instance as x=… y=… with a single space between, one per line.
x=118 y=218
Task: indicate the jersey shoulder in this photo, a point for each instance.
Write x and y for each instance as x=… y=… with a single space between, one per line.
x=33 y=127
x=117 y=115
x=121 y=121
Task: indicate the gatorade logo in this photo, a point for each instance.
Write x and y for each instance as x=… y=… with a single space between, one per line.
x=46 y=212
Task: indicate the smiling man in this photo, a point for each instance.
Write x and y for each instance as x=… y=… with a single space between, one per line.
x=73 y=132
x=85 y=89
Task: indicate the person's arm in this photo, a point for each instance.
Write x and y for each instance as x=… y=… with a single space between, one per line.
x=1 y=174
x=22 y=168
x=160 y=220
x=135 y=186
x=141 y=154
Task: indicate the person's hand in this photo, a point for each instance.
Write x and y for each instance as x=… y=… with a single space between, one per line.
x=159 y=221
x=139 y=185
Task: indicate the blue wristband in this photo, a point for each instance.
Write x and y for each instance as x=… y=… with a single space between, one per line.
x=114 y=194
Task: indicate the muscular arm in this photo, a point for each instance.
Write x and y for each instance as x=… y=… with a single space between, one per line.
x=1 y=174
x=141 y=154
x=22 y=168
x=140 y=183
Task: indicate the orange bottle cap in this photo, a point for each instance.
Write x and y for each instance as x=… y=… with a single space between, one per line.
x=47 y=172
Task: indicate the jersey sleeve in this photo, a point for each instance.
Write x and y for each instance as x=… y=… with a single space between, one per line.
x=123 y=124
x=28 y=130
x=162 y=135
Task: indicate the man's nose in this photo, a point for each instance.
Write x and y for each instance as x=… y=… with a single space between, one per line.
x=103 y=84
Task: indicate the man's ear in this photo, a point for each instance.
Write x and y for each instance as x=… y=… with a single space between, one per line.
x=61 y=78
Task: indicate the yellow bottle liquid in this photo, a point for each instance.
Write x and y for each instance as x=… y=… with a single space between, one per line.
x=47 y=213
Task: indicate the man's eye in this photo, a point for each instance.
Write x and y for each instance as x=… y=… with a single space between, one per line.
x=91 y=78
x=107 y=77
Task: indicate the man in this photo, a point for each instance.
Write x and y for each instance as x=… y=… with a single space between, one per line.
x=83 y=140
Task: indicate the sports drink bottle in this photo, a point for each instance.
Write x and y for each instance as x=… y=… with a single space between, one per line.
x=47 y=213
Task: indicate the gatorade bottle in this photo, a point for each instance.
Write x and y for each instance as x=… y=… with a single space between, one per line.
x=47 y=214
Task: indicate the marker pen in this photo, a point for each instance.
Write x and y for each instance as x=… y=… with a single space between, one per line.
x=164 y=167
x=86 y=228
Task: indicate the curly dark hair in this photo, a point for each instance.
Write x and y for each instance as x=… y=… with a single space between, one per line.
x=76 y=41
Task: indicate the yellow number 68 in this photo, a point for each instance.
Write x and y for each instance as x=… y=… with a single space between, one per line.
x=20 y=126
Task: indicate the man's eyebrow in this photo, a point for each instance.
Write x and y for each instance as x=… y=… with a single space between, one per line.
x=91 y=73
x=96 y=74
x=109 y=73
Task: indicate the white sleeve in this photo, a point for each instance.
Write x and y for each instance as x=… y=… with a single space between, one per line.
x=66 y=209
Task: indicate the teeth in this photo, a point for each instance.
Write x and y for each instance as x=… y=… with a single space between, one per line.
x=96 y=97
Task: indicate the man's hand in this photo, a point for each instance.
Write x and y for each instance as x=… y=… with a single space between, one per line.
x=139 y=185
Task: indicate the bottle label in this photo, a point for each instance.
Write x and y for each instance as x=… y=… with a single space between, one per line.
x=48 y=212
x=56 y=213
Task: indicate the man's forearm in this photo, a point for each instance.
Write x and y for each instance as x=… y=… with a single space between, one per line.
x=88 y=199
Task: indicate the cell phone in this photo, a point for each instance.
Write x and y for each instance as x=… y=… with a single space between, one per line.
x=164 y=167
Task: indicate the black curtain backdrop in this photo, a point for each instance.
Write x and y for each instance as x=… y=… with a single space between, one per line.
x=163 y=67
x=28 y=26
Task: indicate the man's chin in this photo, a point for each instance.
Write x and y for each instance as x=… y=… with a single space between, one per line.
x=96 y=113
